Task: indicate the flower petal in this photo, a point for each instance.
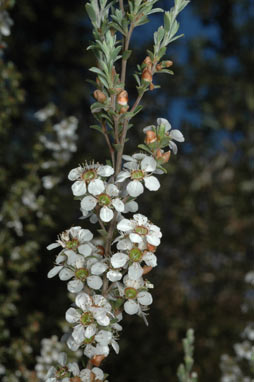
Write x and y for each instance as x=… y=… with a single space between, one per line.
x=176 y=135
x=131 y=307
x=135 y=238
x=85 y=249
x=114 y=275
x=119 y=259
x=118 y=204
x=152 y=183
x=125 y=225
x=135 y=271
x=145 y=298
x=106 y=214
x=150 y=259
x=163 y=121
x=65 y=274
x=85 y=235
x=104 y=337
x=75 y=286
x=135 y=188
x=52 y=246
x=96 y=187
x=88 y=203
x=122 y=176
x=72 y=316
x=78 y=188
x=54 y=271
x=105 y=171
x=79 y=333
x=98 y=268
x=94 y=282
x=83 y=301
x=173 y=147
x=148 y=164
x=75 y=173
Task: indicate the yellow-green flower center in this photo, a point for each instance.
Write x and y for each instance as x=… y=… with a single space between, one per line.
x=86 y=318
x=62 y=372
x=137 y=175
x=82 y=274
x=104 y=200
x=135 y=254
x=72 y=244
x=88 y=175
x=141 y=230
x=130 y=293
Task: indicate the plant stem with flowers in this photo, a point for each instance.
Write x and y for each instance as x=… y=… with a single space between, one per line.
x=107 y=276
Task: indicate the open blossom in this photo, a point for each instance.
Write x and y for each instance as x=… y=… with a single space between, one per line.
x=172 y=134
x=91 y=311
x=106 y=199
x=70 y=372
x=134 y=291
x=139 y=230
x=139 y=168
x=133 y=258
x=88 y=178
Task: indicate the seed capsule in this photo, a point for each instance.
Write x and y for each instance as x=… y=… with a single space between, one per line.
x=147 y=75
x=97 y=359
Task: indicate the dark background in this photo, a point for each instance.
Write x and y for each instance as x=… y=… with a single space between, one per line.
x=205 y=204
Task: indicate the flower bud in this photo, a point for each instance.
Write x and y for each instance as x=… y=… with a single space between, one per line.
x=122 y=98
x=146 y=269
x=97 y=359
x=150 y=137
x=99 y=96
x=158 y=67
x=124 y=109
x=163 y=157
x=151 y=86
x=148 y=62
x=166 y=156
x=100 y=250
x=168 y=63
x=151 y=247
x=147 y=75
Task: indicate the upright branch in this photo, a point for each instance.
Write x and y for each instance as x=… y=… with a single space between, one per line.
x=106 y=274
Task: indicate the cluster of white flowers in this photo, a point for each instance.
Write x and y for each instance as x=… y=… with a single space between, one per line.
x=5 y=27
x=107 y=279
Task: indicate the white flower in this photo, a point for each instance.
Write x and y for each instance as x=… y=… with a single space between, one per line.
x=134 y=257
x=106 y=199
x=63 y=371
x=137 y=297
x=174 y=134
x=139 y=168
x=140 y=230
x=73 y=238
x=93 y=310
x=88 y=177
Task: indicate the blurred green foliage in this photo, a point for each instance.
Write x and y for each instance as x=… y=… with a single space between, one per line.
x=205 y=205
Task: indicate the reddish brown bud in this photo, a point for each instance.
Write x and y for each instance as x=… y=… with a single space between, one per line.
x=151 y=247
x=146 y=269
x=159 y=154
x=158 y=67
x=75 y=379
x=124 y=109
x=150 y=137
x=122 y=98
x=151 y=86
x=97 y=359
x=168 y=63
x=147 y=75
x=148 y=62
x=100 y=250
x=99 y=96
x=166 y=156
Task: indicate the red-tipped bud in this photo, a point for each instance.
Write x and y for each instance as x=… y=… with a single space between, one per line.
x=99 y=96
x=151 y=86
x=122 y=98
x=148 y=62
x=146 y=269
x=150 y=137
x=166 y=156
x=147 y=75
x=97 y=359
x=168 y=63
x=151 y=247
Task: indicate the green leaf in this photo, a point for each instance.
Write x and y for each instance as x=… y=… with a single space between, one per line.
x=96 y=127
x=145 y=148
x=91 y=13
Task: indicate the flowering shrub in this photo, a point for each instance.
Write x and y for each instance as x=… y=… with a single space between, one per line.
x=107 y=276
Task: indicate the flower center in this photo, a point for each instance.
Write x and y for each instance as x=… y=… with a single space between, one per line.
x=130 y=293
x=141 y=230
x=62 y=372
x=104 y=200
x=137 y=175
x=86 y=318
x=135 y=254
x=88 y=340
x=88 y=175
x=82 y=274
x=72 y=244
